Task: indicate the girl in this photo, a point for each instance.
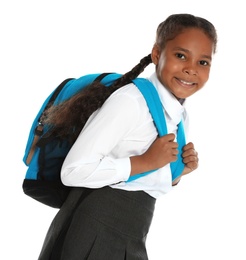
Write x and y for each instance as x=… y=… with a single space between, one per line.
x=105 y=217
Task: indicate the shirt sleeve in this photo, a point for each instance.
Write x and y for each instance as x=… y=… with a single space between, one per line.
x=90 y=162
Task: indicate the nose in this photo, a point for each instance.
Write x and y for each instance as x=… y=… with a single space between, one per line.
x=190 y=69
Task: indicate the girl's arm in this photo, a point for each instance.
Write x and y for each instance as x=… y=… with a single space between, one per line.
x=90 y=162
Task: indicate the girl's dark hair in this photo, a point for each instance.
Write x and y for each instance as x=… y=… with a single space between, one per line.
x=176 y=23
x=69 y=117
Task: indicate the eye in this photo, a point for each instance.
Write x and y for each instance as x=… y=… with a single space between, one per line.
x=204 y=63
x=180 y=56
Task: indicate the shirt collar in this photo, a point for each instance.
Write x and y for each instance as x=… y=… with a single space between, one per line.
x=171 y=105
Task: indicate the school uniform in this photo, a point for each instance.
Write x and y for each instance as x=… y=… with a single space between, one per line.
x=106 y=217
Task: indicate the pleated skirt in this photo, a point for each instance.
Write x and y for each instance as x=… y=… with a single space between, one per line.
x=100 y=224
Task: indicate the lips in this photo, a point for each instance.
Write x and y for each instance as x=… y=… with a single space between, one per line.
x=186 y=83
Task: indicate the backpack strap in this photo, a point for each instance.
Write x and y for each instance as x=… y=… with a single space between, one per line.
x=101 y=76
x=177 y=167
x=155 y=107
x=56 y=92
x=154 y=104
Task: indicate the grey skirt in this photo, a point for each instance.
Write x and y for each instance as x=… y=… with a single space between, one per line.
x=100 y=224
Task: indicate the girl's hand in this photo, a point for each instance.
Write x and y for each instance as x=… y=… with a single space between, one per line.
x=190 y=159
x=161 y=152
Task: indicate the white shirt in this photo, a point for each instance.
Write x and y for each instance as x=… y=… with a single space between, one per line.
x=121 y=128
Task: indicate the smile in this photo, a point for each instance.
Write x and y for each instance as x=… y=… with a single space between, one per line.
x=186 y=83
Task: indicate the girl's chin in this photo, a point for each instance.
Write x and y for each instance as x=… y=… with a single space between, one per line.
x=183 y=94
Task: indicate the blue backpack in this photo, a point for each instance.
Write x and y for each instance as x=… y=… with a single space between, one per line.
x=44 y=156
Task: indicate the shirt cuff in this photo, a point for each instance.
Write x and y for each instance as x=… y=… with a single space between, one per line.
x=123 y=169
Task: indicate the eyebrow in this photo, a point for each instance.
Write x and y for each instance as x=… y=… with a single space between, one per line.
x=187 y=51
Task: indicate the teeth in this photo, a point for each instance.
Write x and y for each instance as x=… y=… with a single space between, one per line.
x=187 y=83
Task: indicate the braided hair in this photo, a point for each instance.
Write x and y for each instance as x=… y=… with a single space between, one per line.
x=69 y=117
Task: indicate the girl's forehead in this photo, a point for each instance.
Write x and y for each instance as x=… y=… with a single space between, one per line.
x=190 y=39
x=191 y=33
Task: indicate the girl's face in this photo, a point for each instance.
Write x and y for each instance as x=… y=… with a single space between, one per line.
x=183 y=66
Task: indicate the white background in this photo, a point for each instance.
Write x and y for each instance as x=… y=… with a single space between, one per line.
x=44 y=42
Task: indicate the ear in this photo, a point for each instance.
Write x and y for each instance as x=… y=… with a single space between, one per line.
x=155 y=54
